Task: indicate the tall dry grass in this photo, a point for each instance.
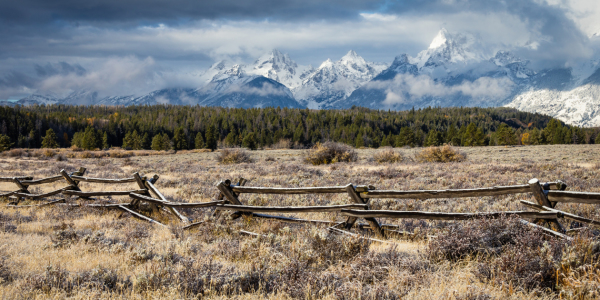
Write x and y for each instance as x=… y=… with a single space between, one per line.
x=64 y=251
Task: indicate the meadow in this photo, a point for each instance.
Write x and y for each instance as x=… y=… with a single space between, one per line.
x=62 y=251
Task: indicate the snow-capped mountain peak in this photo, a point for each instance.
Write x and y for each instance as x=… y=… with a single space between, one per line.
x=279 y=67
x=448 y=48
x=503 y=58
x=335 y=80
x=217 y=68
x=440 y=39
x=352 y=57
x=326 y=64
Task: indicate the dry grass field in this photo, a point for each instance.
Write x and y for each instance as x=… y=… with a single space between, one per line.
x=62 y=251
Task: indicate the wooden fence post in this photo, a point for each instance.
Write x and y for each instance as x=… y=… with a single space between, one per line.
x=227 y=192
x=69 y=180
x=542 y=199
x=150 y=185
x=351 y=220
x=22 y=189
x=141 y=183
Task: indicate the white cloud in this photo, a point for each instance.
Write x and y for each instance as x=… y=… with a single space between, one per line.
x=406 y=87
x=117 y=76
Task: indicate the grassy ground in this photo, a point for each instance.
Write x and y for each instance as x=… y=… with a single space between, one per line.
x=60 y=251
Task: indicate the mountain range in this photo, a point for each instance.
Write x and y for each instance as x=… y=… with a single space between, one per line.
x=453 y=71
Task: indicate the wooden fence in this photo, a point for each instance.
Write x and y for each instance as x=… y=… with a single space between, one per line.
x=546 y=196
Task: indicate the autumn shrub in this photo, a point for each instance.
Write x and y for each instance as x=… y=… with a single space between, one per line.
x=330 y=152
x=387 y=156
x=16 y=153
x=86 y=154
x=48 y=153
x=442 y=154
x=233 y=156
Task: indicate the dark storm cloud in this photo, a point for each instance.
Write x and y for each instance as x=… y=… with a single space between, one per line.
x=61 y=68
x=105 y=35
x=36 y=11
x=15 y=79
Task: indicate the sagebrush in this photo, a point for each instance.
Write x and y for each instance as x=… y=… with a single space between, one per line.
x=233 y=156
x=388 y=156
x=442 y=154
x=329 y=153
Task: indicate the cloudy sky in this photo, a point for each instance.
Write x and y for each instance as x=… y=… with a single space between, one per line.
x=135 y=46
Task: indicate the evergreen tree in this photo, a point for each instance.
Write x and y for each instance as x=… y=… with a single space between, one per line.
x=5 y=143
x=32 y=138
x=535 y=137
x=506 y=135
x=127 y=141
x=166 y=142
x=385 y=141
x=434 y=138
x=49 y=141
x=473 y=136
x=105 y=141
x=460 y=135
x=211 y=138
x=231 y=139
x=359 y=141
x=137 y=141
x=66 y=141
x=179 y=139
x=249 y=141
x=406 y=137
x=553 y=132
x=452 y=136
x=157 y=142
x=91 y=139
x=199 y=141
x=493 y=139
x=480 y=138
x=299 y=134
x=580 y=135
x=133 y=140
x=78 y=139
x=146 y=141
x=567 y=135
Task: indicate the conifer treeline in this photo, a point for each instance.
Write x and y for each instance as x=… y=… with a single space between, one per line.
x=184 y=127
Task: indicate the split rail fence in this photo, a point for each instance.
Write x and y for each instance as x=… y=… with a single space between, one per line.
x=147 y=197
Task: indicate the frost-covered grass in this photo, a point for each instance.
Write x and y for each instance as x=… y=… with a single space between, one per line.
x=55 y=252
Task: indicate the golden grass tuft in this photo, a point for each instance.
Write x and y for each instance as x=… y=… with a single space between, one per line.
x=387 y=156
x=233 y=156
x=442 y=154
x=329 y=153
x=48 y=153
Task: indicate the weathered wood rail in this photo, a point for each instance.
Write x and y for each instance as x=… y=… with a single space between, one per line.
x=547 y=196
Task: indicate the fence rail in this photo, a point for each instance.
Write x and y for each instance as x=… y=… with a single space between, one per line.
x=547 y=195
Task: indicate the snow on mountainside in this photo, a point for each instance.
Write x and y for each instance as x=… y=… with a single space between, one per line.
x=227 y=87
x=334 y=81
x=279 y=67
x=447 y=50
x=38 y=99
x=572 y=99
x=453 y=71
